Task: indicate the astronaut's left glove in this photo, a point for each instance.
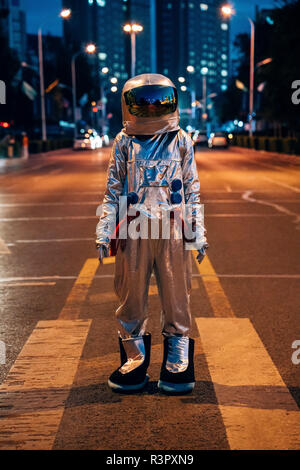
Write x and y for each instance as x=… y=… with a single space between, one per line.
x=202 y=253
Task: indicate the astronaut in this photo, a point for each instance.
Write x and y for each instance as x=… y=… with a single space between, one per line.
x=152 y=165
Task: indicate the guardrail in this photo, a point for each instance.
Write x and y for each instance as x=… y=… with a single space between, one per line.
x=286 y=145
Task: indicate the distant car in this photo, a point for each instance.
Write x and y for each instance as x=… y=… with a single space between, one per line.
x=90 y=140
x=200 y=138
x=105 y=139
x=218 y=140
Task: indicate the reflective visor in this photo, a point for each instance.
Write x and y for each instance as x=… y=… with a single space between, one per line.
x=151 y=100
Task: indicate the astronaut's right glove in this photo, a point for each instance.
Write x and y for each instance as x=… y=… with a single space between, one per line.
x=202 y=253
x=103 y=251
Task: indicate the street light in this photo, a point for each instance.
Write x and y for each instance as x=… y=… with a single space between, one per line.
x=105 y=70
x=227 y=10
x=190 y=68
x=114 y=89
x=204 y=72
x=133 y=29
x=65 y=13
x=183 y=88
x=114 y=80
x=89 y=49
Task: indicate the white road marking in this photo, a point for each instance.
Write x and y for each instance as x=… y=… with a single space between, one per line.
x=88 y=217
x=26 y=284
x=42 y=204
x=57 y=240
x=248 y=196
x=283 y=185
x=3 y=248
x=34 y=394
x=258 y=411
x=32 y=219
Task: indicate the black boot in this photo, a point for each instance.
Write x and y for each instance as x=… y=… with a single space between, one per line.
x=177 y=370
x=135 y=358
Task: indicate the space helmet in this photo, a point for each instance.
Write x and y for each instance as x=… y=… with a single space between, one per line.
x=150 y=105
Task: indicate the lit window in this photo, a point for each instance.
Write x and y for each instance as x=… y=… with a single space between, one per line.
x=224 y=26
x=224 y=87
x=101 y=3
x=166 y=71
x=224 y=57
x=191 y=5
x=102 y=55
x=224 y=73
x=91 y=2
x=169 y=6
x=203 y=6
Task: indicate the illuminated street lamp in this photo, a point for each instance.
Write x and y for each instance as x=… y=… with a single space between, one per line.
x=114 y=89
x=133 y=29
x=114 y=80
x=65 y=13
x=89 y=49
x=105 y=70
x=181 y=79
x=190 y=68
x=227 y=10
x=183 y=88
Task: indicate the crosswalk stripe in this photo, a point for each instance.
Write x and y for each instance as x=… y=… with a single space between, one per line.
x=257 y=409
x=77 y=296
x=34 y=394
x=217 y=297
x=3 y=248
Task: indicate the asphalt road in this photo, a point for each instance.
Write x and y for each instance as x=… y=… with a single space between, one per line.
x=57 y=313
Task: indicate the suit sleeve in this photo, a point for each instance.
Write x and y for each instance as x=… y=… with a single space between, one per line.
x=115 y=182
x=194 y=214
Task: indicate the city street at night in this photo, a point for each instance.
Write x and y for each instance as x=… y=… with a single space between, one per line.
x=57 y=305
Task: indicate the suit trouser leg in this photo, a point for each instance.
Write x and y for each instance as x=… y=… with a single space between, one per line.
x=132 y=277
x=173 y=268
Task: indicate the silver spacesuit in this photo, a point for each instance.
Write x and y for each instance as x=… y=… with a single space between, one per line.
x=152 y=162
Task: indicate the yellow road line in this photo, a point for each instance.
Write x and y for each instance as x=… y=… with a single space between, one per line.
x=78 y=294
x=257 y=409
x=217 y=297
x=34 y=394
x=109 y=260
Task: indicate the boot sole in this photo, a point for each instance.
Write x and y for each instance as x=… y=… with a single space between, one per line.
x=115 y=386
x=175 y=388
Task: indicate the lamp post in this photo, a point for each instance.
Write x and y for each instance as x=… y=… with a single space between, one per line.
x=89 y=49
x=191 y=69
x=204 y=72
x=64 y=14
x=228 y=11
x=133 y=29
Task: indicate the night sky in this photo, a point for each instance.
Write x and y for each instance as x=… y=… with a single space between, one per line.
x=46 y=12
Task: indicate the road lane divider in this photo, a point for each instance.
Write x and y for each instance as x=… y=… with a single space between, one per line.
x=217 y=297
x=78 y=294
x=34 y=394
x=4 y=250
x=257 y=408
